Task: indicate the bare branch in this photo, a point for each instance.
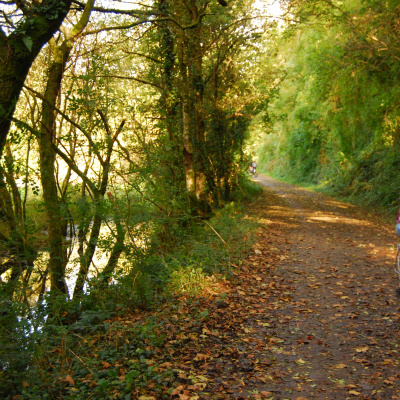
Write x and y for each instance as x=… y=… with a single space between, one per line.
x=68 y=160
x=119 y=27
x=133 y=79
x=142 y=55
x=65 y=116
x=137 y=13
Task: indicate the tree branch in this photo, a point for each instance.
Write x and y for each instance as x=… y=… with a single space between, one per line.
x=117 y=11
x=133 y=79
x=65 y=116
x=67 y=159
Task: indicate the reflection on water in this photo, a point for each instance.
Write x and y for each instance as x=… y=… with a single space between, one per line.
x=99 y=261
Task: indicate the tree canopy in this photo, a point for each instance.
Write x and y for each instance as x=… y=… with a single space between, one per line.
x=334 y=115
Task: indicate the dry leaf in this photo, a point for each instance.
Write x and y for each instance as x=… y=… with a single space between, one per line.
x=266 y=394
x=68 y=379
x=206 y=331
x=177 y=390
x=201 y=357
x=351 y=386
x=388 y=382
x=362 y=349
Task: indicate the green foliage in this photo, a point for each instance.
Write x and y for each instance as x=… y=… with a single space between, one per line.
x=87 y=351
x=16 y=343
x=334 y=121
x=246 y=189
x=122 y=363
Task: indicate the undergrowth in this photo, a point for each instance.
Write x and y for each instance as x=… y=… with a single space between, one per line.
x=110 y=342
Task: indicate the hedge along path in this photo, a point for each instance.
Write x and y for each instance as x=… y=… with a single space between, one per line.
x=312 y=313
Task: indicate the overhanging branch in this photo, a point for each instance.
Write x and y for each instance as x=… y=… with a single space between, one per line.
x=133 y=79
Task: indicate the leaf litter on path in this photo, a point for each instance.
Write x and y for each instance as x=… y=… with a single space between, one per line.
x=309 y=314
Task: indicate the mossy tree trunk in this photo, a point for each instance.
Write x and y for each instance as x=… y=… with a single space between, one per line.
x=191 y=89
x=19 y=49
x=47 y=139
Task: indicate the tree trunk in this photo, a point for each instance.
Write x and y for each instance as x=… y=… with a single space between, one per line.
x=118 y=245
x=19 y=50
x=58 y=256
x=57 y=260
x=191 y=91
x=87 y=257
x=12 y=244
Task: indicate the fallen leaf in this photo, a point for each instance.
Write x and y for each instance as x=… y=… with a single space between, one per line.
x=199 y=386
x=177 y=390
x=201 y=357
x=68 y=379
x=166 y=365
x=199 y=378
x=388 y=361
x=362 y=349
x=206 y=331
x=388 y=382
x=350 y=386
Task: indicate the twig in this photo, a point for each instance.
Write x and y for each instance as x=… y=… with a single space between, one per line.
x=81 y=361
x=223 y=241
x=80 y=337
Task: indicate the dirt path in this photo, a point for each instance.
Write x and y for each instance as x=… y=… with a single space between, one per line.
x=313 y=312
